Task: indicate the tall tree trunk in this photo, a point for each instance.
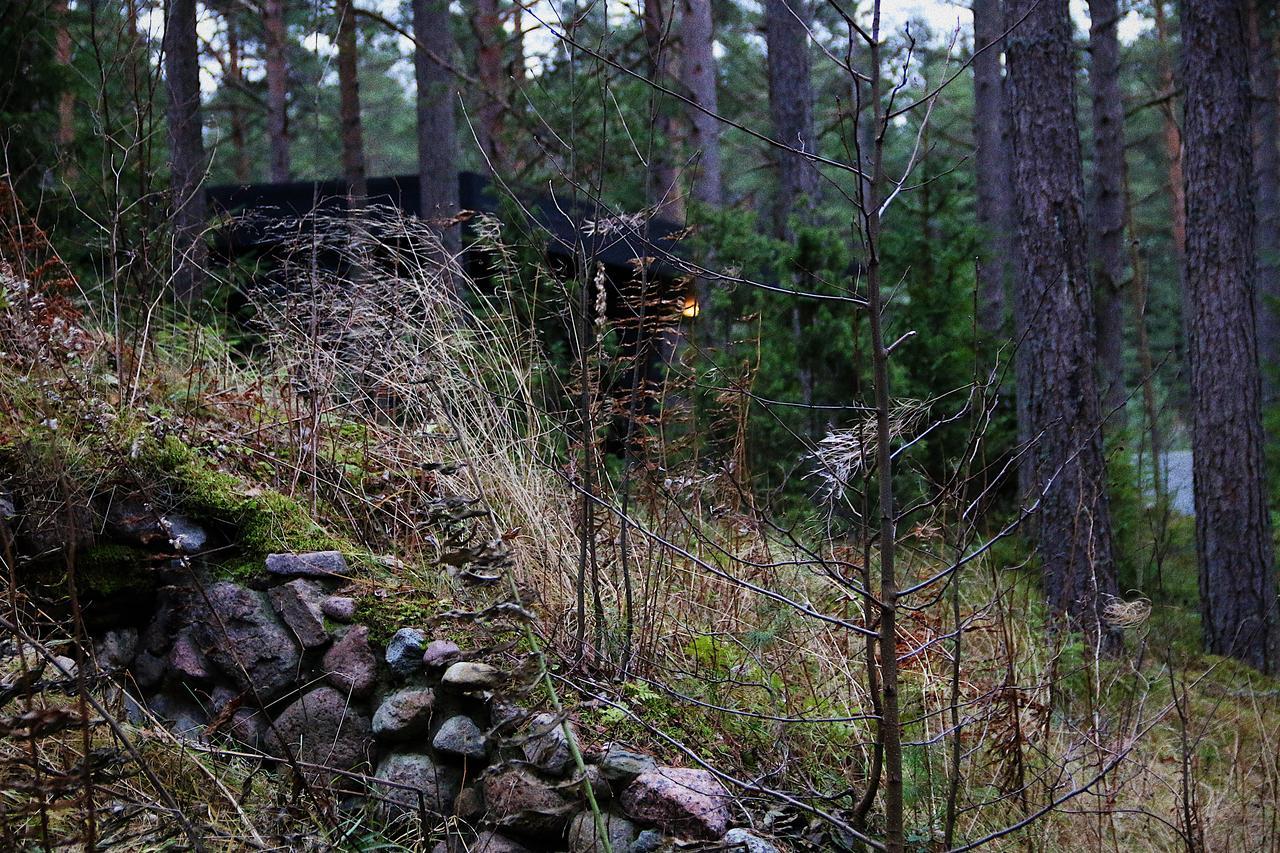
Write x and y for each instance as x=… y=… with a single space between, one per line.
x=66 y=101
x=1106 y=222
x=239 y=147
x=1171 y=135
x=487 y=26
x=663 y=176
x=277 y=89
x=698 y=69
x=991 y=164
x=353 y=167
x=1266 y=165
x=791 y=108
x=1233 y=526
x=186 y=150
x=1058 y=379
x=437 y=128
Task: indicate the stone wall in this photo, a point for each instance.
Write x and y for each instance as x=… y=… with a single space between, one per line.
x=421 y=732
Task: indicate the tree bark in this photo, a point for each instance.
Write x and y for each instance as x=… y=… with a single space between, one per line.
x=1233 y=527
x=1057 y=379
x=487 y=26
x=698 y=68
x=1107 y=219
x=353 y=165
x=665 y=193
x=437 y=127
x=991 y=165
x=1171 y=135
x=239 y=147
x=791 y=108
x=187 y=161
x=277 y=89
x=1266 y=165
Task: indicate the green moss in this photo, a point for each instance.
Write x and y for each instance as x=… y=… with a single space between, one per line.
x=386 y=615
x=263 y=521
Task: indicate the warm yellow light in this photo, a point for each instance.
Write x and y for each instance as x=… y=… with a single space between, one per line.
x=691 y=308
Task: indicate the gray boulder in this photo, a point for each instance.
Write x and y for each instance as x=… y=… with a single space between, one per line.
x=316 y=564
x=440 y=653
x=416 y=780
x=116 y=648
x=518 y=800
x=471 y=675
x=322 y=728
x=583 y=837
x=244 y=639
x=185 y=536
x=404 y=714
x=622 y=766
x=339 y=608
x=680 y=801
x=298 y=603
x=742 y=841
x=546 y=746
x=351 y=665
x=460 y=737
x=187 y=659
x=404 y=651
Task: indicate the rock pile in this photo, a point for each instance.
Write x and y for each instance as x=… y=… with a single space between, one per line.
x=418 y=728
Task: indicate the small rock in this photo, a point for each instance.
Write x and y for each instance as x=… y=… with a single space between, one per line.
x=460 y=737
x=472 y=675
x=298 y=603
x=185 y=536
x=248 y=726
x=404 y=652
x=649 y=841
x=469 y=804
x=505 y=715
x=437 y=785
x=186 y=719
x=351 y=666
x=680 y=801
x=404 y=714
x=322 y=728
x=546 y=746
x=187 y=659
x=241 y=635
x=116 y=648
x=622 y=766
x=148 y=669
x=519 y=800
x=583 y=837
x=64 y=667
x=742 y=841
x=317 y=564
x=600 y=788
x=21 y=667
x=339 y=608
x=440 y=653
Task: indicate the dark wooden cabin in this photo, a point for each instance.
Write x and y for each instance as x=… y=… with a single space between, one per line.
x=257 y=227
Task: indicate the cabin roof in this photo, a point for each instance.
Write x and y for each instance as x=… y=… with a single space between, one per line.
x=616 y=241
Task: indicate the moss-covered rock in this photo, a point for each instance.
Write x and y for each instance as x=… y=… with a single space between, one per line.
x=258 y=521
